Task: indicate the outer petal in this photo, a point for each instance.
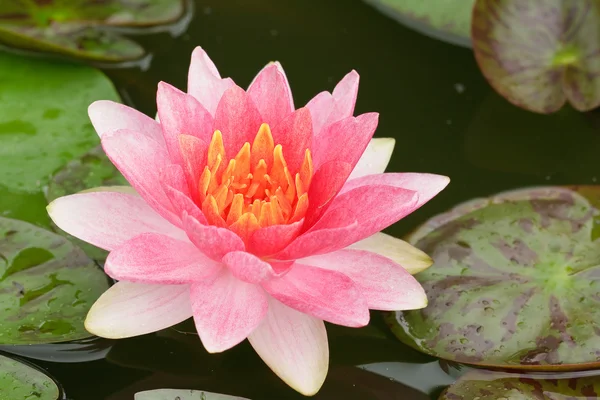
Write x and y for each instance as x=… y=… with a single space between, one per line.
x=271 y=93
x=248 y=267
x=383 y=283
x=141 y=159
x=204 y=81
x=211 y=240
x=294 y=133
x=181 y=113
x=131 y=309
x=108 y=219
x=375 y=158
x=237 y=118
x=108 y=116
x=294 y=345
x=412 y=259
x=226 y=310
x=325 y=294
x=153 y=258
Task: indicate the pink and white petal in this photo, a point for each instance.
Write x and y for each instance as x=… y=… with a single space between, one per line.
x=108 y=116
x=173 y=176
x=375 y=158
x=322 y=293
x=272 y=239
x=204 y=81
x=295 y=135
x=108 y=219
x=327 y=181
x=131 y=309
x=194 y=155
x=247 y=267
x=237 y=118
x=211 y=240
x=320 y=108
x=294 y=345
x=183 y=204
x=271 y=93
x=345 y=140
x=226 y=310
x=157 y=259
x=412 y=259
x=180 y=113
x=140 y=159
x=383 y=283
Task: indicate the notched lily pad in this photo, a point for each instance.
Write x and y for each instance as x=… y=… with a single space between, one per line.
x=47 y=285
x=489 y=385
x=515 y=282
x=539 y=54
x=71 y=27
x=21 y=381
x=180 y=394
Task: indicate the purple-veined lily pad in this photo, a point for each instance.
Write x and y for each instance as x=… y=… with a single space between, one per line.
x=72 y=27
x=490 y=385
x=539 y=54
x=19 y=380
x=515 y=282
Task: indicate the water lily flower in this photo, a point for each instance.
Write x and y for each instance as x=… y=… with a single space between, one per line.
x=255 y=218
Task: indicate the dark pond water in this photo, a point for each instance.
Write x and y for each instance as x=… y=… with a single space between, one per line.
x=445 y=118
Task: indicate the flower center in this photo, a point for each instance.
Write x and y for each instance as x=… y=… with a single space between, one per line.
x=255 y=189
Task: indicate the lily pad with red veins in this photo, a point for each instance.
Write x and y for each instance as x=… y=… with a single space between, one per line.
x=515 y=282
x=73 y=27
x=539 y=54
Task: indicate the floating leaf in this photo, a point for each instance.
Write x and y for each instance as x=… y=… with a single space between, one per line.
x=515 y=283
x=180 y=394
x=21 y=381
x=540 y=53
x=47 y=285
x=447 y=20
x=489 y=385
x=43 y=118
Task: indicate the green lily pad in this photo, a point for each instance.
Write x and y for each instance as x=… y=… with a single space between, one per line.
x=489 y=385
x=446 y=20
x=515 y=283
x=180 y=394
x=540 y=54
x=47 y=285
x=71 y=27
x=43 y=118
x=21 y=381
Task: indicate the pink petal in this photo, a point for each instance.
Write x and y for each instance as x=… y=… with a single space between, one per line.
x=345 y=140
x=204 y=81
x=383 y=283
x=271 y=93
x=173 y=176
x=108 y=219
x=294 y=345
x=181 y=113
x=294 y=133
x=248 y=267
x=237 y=118
x=375 y=158
x=226 y=310
x=194 y=155
x=181 y=203
x=153 y=258
x=131 y=309
x=140 y=159
x=326 y=183
x=211 y=240
x=272 y=239
x=108 y=116
x=325 y=294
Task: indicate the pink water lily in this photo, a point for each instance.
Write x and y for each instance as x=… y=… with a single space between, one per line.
x=255 y=218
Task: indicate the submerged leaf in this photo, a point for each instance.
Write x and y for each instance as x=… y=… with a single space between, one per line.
x=540 y=53
x=181 y=394
x=515 y=283
x=21 y=381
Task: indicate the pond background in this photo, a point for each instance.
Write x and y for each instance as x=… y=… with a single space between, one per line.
x=446 y=119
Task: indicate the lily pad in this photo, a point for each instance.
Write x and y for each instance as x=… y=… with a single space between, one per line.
x=540 y=54
x=515 y=283
x=489 y=385
x=43 y=119
x=180 y=394
x=71 y=27
x=446 y=20
x=47 y=285
x=21 y=381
